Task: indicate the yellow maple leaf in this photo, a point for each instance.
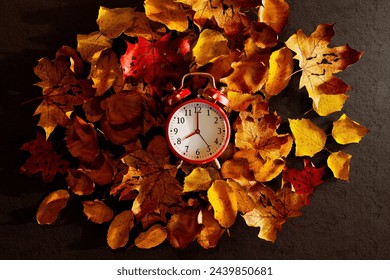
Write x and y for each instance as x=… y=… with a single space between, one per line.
x=51 y=207
x=224 y=203
x=105 y=69
x=280 y=70
x=168 y=12
x=319 y=62
x=119 y=229
x=347 y=131
x=97 y=211
x=153 y=237
x=210 y=46
x=339 y=163
x=309 y=139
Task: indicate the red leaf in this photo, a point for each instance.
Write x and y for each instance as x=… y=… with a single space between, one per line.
x=43 y=159
x=304 y=181
x=155 y=62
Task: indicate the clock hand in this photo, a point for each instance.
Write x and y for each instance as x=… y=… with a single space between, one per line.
x=197 y=131
x=204 y=140
x=189 y=135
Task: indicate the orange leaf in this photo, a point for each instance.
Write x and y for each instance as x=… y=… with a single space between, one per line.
x=153 y=237
x=97 y=211
x=79 y=182
x=51 y=206
x=183 y=227
x=211 y=230
x=119 y=230
x=274 y=13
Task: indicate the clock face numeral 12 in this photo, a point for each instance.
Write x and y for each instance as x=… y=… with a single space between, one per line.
x=198 y=131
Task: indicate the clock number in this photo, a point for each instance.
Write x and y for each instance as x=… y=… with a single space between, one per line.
x=197 y=152
x=178 y=141
x=198 y=110
x=187 y=113
x=216 y=120
x=181 y=120
x=175 y=130
x=216 y=141
x=208 y=112
x=219 y=130
x=208 y=148
x=187 y=147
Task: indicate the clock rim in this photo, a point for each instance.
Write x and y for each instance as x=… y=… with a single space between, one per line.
x=223 y=146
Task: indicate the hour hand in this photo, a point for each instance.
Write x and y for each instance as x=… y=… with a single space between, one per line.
x=189 y=135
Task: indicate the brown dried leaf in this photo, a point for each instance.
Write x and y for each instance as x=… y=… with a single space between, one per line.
x=183 y=227
x=119 y=230
x=51 y=206
x=97 y=211
x=153 y=237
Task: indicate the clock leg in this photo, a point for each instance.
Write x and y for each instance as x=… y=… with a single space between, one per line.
x=217 y=164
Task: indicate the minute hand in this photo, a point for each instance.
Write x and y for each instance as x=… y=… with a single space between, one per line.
x=204 y=140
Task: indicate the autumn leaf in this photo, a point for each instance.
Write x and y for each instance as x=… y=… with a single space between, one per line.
x=247 y=196
x=61 y=92
x=153 y=237
x=319 y=63
x=113 y=22
x=89 y=44
x=105 y=69
x=339 y=163
x=211 y=231
x=51 y=207
x=309 y=139
x=198 y=180
x=237 y=169
x=156 y=61
x=183 y=227
x=280 y=70
x=346 y=131
x=97 y=211
x=240 y=101
x=210 y=46
x=224 y=203
x=172 y=14
x=43 y=159
x=304 y=181
x=262 y=36
x=119 y=229
x=79 y=182
x=100 y=170
x=274 y=13
x=270 y=216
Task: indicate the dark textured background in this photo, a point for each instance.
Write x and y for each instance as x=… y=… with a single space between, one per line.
x=344 y=221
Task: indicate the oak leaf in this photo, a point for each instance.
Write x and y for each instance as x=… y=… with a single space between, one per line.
x=211 y=231
x=183 y=227
x=339 y=163
x=210 y=46
x=309 y=139
x=43 y=159
x=304 y=181
x=119 y=229
x=79 y=182
x=173 y=15
x=97 y=211
x=273 y=211
x=280 y=70
x=319 y=62
x=224 y=203
x=153 y=237
x=51 y=207
x=274 y=13
x=346 y=131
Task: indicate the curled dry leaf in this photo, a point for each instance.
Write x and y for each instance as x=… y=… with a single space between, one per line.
x=309 y=139
x=97 y=211
x=153 y=237
x=119 y=230
x=79 y=182
x=183 y=227
x=339 y=163
x=346 y=131
x=211 y=231
x=51 y=207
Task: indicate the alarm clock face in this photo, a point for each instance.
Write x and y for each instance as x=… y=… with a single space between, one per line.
x=198 y=131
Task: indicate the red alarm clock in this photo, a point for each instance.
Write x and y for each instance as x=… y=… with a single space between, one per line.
x=198 y=130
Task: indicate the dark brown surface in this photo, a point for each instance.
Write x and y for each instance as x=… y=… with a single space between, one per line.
x=344 y=221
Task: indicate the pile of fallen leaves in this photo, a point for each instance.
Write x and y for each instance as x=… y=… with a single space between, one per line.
x=102 y=116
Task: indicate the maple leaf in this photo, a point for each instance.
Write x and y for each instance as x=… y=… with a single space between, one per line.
x=274 y=13
x=158 y=187
x=43 y=159
x=154 y=62
x=183 y=227
x=119 y=229
x=346 y=131
x=304 y=181
x=153 y=237
x=318 y=63
x=89 y=44
x=61 y=92
x=97 y=211
x=51 y=207
x=172 y=14
x=339 y=163
x=309 y=139
x=273 y=210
